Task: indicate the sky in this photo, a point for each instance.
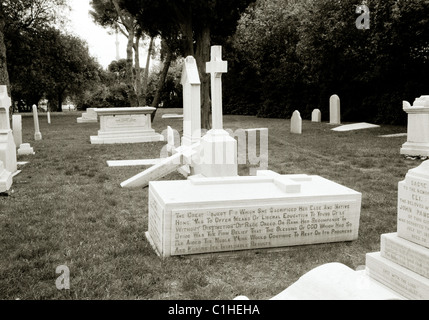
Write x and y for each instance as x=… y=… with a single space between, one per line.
x=101 y=44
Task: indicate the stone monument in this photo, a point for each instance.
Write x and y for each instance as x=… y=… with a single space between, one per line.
x=418 y=128
x=7 y=143
x=37 y=134
x=334 y=110
x=403 y=261
x=316 y=116
x=125 y=125
x=23 y=148
x=89 y=116
x=296 y=123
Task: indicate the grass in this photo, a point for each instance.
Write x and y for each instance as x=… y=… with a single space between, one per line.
x=67 y=208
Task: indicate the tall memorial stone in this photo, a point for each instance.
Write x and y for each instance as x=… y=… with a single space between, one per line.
x=403 y=261
x=23 y=148
x=7 y=143
x=334 y=110
x=191 y=102
x=418 y=128
x=37 y=133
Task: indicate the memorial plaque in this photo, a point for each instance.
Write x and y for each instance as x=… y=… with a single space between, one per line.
x=413 y=206
x=213 y=215
x=405 y=253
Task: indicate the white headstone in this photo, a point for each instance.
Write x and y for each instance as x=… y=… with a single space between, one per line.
x=417 y=143
x=296 y=123
x=403 y=261
x=48 y=115
x=25 y=149
x=316 y=116
x=37 y=133
x=17 y=129
x=191 y=102
x=7 y=143
x=334 y=110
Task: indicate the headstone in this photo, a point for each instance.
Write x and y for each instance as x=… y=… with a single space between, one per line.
x=218 y=148
x=296 y=123
x=403 y=261
x=88 y=117
x=48 y=115
x=418 y=128
x=202 y=215
x=252 y=155
x=37 y=134
x=316 y=116
x=25 y=149
x=7 y=143
x=125 y=125
x=334 y=110
x=191 y=102
x=17 y=129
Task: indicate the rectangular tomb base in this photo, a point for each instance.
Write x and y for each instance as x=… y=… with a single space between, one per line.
x=205 y=215
x=126 y=138
x=415 y=149
x=404 y=281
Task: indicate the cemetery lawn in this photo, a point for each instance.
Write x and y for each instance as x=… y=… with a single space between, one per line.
x=67 y=208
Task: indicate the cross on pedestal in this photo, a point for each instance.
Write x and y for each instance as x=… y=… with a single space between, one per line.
x=216 y=67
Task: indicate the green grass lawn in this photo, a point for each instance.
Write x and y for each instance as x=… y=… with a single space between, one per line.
x=67 y=208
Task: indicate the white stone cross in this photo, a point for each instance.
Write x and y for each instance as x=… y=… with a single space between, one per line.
x=216 y=67
x=5 y=103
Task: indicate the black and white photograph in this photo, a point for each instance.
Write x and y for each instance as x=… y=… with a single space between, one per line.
x=214 y=158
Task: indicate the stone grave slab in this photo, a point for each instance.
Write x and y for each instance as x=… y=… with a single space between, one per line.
x=204 y=215
x=125 y=125
x=356 y=126
x=172 y=116
x=132 y=163
x=336 y=281
x=90 y=116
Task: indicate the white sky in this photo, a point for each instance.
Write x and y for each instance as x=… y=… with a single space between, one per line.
x=101 y=45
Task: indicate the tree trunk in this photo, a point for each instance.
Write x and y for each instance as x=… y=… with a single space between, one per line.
x=137 y=83
x=146 y=72
x=4 y=76
x=163 y=76
x=129 y=69
x=202 y=55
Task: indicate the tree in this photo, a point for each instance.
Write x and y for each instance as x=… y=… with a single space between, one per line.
x=19 y=15
x=46 y=62
x=197 y=23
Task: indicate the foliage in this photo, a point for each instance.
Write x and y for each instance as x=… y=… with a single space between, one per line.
x=46 y=62
x=301 y=52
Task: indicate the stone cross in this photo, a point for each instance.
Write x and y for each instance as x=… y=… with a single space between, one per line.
x=216 y=67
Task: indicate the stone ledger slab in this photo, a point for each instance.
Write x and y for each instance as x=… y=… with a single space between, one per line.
x=204 y=215
x=125 y=125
